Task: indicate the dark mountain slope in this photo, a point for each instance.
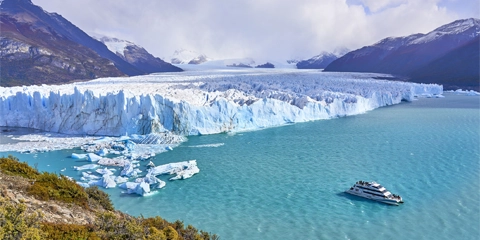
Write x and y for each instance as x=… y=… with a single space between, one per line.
x=408 y=55
x=317 y=62
x=55 y=24
x=29 y=55
x=461 y=65
x=138 y=56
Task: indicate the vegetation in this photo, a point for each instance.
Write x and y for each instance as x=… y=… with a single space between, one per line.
x=11 y=166
x=50 y=186
x=18 y=223
x=97 y=197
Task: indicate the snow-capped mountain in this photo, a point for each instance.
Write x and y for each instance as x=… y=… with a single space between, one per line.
x=40 y=47
x=321 y=60
x=317 y=62
x=405 y=55
x=137 y=56
x=184 y=56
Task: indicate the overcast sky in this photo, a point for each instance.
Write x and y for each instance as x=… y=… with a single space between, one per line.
x=269 y=29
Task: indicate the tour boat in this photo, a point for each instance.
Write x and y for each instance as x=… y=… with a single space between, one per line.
x=374 y=191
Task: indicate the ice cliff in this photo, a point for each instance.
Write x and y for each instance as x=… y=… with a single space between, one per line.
x=201 y=102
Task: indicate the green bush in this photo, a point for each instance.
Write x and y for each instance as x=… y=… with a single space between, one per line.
x=16 y=223
x=50 y=186
x=99 y=197
x=12 y=166
x=68 y=231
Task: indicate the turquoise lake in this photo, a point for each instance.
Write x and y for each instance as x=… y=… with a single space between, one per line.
x=288 y=182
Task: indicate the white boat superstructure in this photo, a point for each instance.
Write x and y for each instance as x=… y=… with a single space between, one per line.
x=374 y=191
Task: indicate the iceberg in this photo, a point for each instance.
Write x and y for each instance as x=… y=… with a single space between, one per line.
x=129 y=170
x=92 y=157
x=105 y=171
x=86 y=167
x=79 y=156
x=88 y=176
x=106 y=181
x=199 y=102
x=118 y=162
x=186 y=173
x=150 y=179
x=120 y=179
x=183 y=170
x=102 y=152
x=140 y=188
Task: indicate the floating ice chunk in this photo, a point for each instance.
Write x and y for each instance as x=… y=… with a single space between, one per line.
x=128 y=170
x=169 y=148
x=149 y=178
x=79 y=156
x=140 y=188
x=88 y=176
x=161 y=184
x=117 y=162
x=86 y=167
x=106 y=181
x=187 y=173
x=105 y=171
x=127 y=185
x=150 y=164
x=102 y=152
x=142 y=156
x=120 y=179
x=183 y=170
x=92 y=157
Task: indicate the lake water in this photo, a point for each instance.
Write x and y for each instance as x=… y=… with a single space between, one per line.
x=288 y=182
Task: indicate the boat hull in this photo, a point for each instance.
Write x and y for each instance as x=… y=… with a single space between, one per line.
x=375 y=198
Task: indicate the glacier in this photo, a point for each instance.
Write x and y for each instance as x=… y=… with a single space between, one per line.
x=139 y=117
x=200 y=102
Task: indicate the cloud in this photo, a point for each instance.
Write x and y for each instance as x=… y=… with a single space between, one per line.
x=275 y=29
x=377 y=5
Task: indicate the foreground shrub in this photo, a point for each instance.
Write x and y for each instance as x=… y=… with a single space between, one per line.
x=98 y=197
x=12 y=166
x=16 y=223
x=49 y=186
x=68 y=231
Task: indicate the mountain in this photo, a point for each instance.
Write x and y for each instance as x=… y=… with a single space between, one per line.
x=137 y=56
x=32 y=52
x=38 y=47
x=414 y=55
x=461 y=64
x=184 y=56
x=317 y=62
x=322 y=60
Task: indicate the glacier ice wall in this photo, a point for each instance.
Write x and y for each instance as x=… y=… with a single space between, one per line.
x=200 y=103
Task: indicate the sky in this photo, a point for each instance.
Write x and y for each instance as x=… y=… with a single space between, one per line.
x=260 y=29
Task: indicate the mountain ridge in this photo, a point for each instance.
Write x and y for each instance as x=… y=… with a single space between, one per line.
x=38 y=47
x=409 y=54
